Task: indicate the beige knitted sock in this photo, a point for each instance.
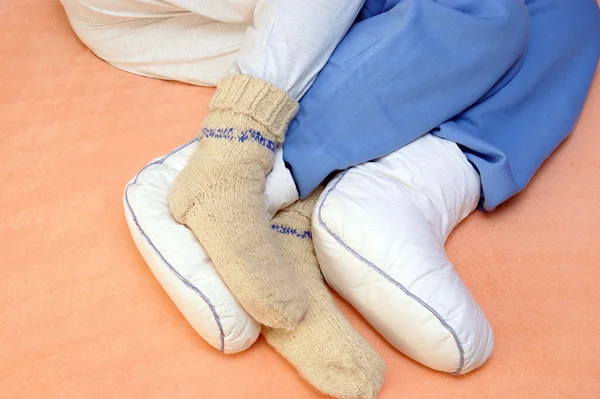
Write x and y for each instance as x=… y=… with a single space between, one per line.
x=324 y=347
x=219 y=196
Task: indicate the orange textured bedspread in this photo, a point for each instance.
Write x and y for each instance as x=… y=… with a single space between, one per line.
x=81 y=316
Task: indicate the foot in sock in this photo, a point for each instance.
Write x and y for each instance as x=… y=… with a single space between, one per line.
x=219 y=196
x=324 y=347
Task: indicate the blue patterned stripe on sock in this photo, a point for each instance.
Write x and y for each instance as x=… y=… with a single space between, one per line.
x=230 y=133
x=305 y=234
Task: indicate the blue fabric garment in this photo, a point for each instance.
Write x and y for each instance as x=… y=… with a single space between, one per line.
x=504 y=79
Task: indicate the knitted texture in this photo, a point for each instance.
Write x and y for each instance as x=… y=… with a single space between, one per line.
x=219 y=196
x=264 y=103
x=324 y=347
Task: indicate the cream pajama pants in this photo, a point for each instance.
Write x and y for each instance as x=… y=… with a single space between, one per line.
x=283 y=42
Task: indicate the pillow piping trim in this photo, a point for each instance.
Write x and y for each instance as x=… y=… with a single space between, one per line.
x=388 y=277
x=186 y=282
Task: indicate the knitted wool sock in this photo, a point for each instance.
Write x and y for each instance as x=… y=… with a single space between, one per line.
x=219 y=196
x=324 y=347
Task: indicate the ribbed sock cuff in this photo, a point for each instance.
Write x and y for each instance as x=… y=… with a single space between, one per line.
x=263 y=102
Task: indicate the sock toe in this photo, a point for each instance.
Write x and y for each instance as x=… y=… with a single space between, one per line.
x=291 y=308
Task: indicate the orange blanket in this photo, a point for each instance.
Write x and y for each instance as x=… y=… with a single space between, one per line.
x=81 y=316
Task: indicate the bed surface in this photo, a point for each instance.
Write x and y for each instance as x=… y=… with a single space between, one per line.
x=81 y=315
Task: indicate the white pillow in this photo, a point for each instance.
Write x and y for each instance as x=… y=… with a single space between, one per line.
x=177 y=259
x=379 y=232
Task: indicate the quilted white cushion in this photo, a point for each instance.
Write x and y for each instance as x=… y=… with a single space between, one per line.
x=177 y=259
x=379 y=232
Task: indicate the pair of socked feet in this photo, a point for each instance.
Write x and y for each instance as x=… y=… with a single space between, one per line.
x=269 y=266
